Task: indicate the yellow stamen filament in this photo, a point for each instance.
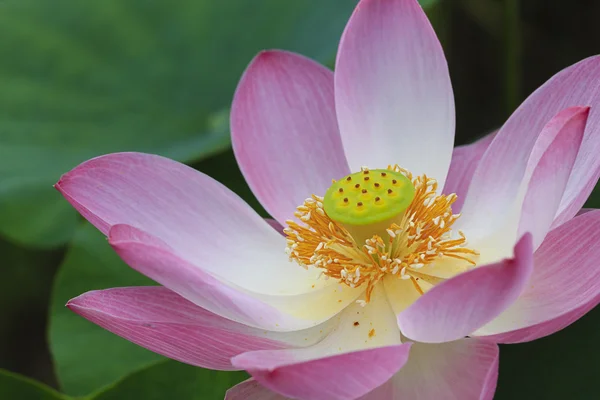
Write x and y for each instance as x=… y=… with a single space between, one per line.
x=420 y=237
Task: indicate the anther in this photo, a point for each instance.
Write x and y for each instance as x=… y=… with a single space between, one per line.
x=364 y=190
x=366 y=178
x=357 y=185
x=377 y=185
x=390 y=191
x=359 y=204
x=349 y=178
x=341 y=190
x=383 y=174
x=345 y=199
x=377 y=199
x=394 y=181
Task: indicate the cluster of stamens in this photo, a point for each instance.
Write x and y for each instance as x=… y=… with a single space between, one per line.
x=419 y=236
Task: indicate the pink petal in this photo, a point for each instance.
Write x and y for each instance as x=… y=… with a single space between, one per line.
x=276 y=311
x=393 y=95
x=551 y=173
x=565 y=284
x=459 y=306
x=197 y=217
x=199 y=230
x=578 y=85
x=284 y=131
x=505 y=173
x=466 y=369
x=491 y=381
x=164 y=322
x=344 y=376
x=361 y=352
x=464 y=162
x=250 y=389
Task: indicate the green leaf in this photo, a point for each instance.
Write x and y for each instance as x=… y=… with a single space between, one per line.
x=86 y=356
x=170 y=379
x=32 y=213
x=107 y=76
x=24 y=291
x=13 y=386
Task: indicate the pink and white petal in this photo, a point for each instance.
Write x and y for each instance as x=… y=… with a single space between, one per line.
x=200 y=220
x=338 y=377
x=459 y=306
x=466 y=369
x=542 y=329
x=464 y=162
x=393 y=94
x=284 y=131
x=276 y=311
x=400 y=293
x=565 y=284
x=164 y=322
x=550 y=176
x=504 y=176
x=250 y=389
x=578 y=85
x=361 y=352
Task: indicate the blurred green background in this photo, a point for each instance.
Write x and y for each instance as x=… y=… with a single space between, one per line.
x=84 y=78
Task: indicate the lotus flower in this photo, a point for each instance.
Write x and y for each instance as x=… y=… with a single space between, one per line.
x=377 y=288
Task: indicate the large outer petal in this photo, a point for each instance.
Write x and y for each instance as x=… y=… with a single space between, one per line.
x=200 y=219
x=197 y=230
x=362 y=352
x=164 y=322
x=578 y=85
x=339 y=377
x=277 y=312
x=464 y=162
x=466 y=369
x=565 y=284
x=494 y=204
x=463 y=370
x=250 y=389
x=393 y=94
x=459 y=306
x=284 y=131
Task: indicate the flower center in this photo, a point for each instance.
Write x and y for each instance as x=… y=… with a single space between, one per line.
x=378 y=223
x=367 y=202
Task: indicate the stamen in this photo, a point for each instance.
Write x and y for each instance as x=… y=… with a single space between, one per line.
x=332 y=236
